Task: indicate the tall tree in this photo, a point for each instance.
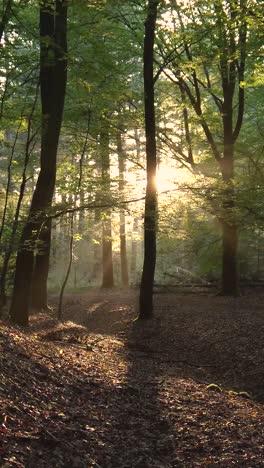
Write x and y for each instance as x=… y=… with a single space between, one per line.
x=122 y=215
x=11 y=241
x=107 y=252
x=150 y=217
x=209 y=66
x=53 y=78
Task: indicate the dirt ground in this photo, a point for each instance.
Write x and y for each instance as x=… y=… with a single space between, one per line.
x=185 y=389
x=207 y=337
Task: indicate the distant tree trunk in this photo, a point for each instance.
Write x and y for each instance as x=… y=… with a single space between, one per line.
x=134 y=249
x=122 y=216
x=147 y=279
x=134 y=244
x=229 y=226
x=11 y=240
x=53 y=77
x=138 y=145
x=97 y=249
x=68 y=271
x=41 y=269
x=81 y=213
x=107 y=253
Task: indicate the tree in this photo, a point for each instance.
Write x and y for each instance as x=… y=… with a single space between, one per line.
x=150 y=217
x=53 y=77
x=122 y=216
x=209 y=64
x=15 y=222
x=107 y=253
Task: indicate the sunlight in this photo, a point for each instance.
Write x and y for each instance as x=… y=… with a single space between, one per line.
x=165 y=178
x=171 y=178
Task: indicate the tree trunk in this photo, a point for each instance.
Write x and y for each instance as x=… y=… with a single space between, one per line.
x=229 y=267
x=122 y=216
x=108 y=271
x=41 y=269
x=147 y=279
x=53 y=77
x=229 y=226
x=134 y=251
x=97 y=250
x=11 y=240
x=68 y=271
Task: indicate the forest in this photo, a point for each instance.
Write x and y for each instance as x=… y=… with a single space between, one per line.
x=131 y=233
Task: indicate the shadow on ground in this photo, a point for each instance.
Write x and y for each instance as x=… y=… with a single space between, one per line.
x=104 y=390
x=208 y=338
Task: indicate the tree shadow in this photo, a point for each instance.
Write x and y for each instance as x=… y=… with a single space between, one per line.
x=138 y=431
x=142 y=430
x=210 y=339
x=110 y=406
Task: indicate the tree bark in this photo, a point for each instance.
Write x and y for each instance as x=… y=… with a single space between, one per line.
x=229 y=225
x=122 y=216
x=11 y=240
x=41 y=269
x=65 y=281
x=147 y=279
x=107 y=253
x=39 y=293
x=134 y=252
x=53 y=77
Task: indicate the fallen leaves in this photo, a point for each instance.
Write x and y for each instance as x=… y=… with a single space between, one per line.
x=109 y=394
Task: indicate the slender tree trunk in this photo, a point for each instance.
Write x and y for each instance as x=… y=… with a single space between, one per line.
x=81 y=213
x=64 y=284
x=229 y=267
x=122 y=216
x=147 y=279
x=41 y=269
x=108 y=272
x=134 y=243
x=53 y=77
x=229 y=224
x=97 y=249
x=11 y=240
x=229 y=227
x=134 y=249
x=107 y=252
x=9 y=174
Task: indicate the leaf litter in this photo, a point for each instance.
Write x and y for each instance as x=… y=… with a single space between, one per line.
x=104 y=390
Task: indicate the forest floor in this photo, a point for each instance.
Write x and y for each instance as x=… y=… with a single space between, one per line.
x=103 y=390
